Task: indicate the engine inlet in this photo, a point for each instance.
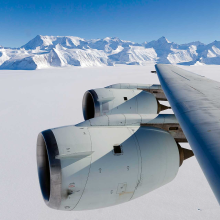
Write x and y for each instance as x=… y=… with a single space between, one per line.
x=49 y=169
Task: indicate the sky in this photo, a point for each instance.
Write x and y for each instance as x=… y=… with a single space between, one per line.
x=180 y=21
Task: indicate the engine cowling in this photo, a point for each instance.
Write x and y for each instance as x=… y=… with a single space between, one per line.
x=103 y=101
x=84 y=168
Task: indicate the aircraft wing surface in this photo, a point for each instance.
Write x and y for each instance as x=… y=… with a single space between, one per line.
x=195 y=101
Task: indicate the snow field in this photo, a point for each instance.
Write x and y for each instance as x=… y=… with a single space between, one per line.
x=32 y=101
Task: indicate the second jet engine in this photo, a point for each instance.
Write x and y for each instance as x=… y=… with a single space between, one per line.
x=106 y=101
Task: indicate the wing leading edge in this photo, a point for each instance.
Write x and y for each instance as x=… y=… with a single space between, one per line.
x=195 y=101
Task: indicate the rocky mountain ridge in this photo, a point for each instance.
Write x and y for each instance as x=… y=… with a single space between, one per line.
x=58 y=51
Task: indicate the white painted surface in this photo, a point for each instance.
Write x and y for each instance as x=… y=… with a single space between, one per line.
x=149 y=159
x=123 y=101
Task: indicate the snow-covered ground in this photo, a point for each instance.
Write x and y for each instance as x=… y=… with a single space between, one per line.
x=57 y=51
x=32 y=101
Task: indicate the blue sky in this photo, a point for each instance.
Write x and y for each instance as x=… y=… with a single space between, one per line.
x=180 y=21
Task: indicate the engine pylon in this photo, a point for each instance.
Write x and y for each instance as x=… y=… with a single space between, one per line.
x=184 y=153
x=162 y=107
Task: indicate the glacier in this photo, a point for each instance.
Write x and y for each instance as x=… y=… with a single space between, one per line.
x=59 y=51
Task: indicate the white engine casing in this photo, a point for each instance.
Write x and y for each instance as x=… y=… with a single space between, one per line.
x=87 y=173
x=106 y=101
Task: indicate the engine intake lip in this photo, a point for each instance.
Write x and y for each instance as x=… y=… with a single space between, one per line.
x=90 y=105
x=49 y=169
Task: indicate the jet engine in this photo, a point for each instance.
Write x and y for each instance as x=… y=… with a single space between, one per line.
x=106 y=101
x=122 y=151
x=84 y=168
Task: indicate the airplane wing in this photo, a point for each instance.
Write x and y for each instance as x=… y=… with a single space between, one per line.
x=195 y=101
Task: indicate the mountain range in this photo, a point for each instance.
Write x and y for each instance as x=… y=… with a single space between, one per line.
x=58 y=51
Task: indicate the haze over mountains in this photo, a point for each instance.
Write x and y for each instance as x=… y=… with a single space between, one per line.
x=57 y=51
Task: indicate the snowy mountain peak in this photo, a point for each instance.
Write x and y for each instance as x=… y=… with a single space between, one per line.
x=161 y=44
x=46 y=51
x=32 y=44
x=216 y=43
x=196 y=43
x=45 y=42
x=111 y=39
x=163 y=40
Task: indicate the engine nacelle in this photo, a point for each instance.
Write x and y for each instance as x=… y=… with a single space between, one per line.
x=106 y=101
x=84 y=168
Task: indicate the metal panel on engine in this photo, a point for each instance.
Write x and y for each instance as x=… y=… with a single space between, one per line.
x=159 y=159
x=114 y=174
x=75 y=171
